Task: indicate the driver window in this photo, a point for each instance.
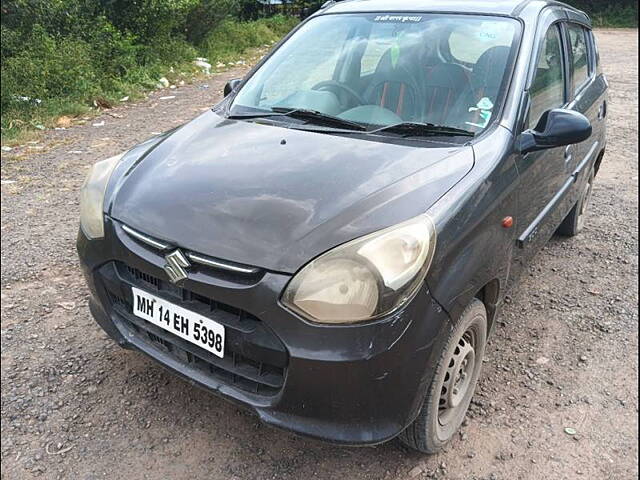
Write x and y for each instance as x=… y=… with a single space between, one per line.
x=547 y=89
x=303 y=68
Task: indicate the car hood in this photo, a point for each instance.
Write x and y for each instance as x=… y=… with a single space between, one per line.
x=275 y=197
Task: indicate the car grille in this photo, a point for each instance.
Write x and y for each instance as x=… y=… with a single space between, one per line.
x=254 y=360
x=220 y=269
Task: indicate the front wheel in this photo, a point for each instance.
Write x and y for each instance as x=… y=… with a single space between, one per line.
x=453 y=384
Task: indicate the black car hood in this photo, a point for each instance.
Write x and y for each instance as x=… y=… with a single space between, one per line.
x=275 y=197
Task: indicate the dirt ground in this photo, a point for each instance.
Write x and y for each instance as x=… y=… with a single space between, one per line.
x=74 y=405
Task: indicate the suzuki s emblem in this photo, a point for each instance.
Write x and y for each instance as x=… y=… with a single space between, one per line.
x=176 y=265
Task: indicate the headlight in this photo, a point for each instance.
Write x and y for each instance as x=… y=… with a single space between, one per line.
x=92 y=197
x=365 y=278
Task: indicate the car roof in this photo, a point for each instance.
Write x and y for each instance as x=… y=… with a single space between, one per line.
x=494 y=7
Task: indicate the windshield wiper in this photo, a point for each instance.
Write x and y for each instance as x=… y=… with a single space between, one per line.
x=417 y=129
x=303 y=114
x=308 y=114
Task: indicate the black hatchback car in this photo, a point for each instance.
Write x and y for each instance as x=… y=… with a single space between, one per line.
x=330 y=245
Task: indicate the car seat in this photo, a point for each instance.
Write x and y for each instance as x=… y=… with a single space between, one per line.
x=444 y=84
x=393 y=86
x=488 y=72
x=474 y=108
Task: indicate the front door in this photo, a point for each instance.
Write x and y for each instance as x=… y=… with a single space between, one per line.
x=544 y=178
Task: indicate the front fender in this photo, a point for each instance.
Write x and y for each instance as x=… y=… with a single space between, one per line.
x=474 y=248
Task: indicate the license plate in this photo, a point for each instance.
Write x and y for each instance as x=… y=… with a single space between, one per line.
x=191 y=326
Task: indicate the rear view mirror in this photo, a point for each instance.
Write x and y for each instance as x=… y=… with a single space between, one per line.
x=556 y=128
x=231 y=85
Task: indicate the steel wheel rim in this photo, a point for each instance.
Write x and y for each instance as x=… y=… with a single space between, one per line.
x=458 y=378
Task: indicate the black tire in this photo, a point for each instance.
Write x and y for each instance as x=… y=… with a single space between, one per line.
x=442 y=412
x=573 y=224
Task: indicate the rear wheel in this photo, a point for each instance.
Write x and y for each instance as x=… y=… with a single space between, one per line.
x=453 y=384
x=574 y=223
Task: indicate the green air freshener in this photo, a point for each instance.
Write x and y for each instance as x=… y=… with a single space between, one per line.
x=395 y=49
x=483 y=111
x=395 y=54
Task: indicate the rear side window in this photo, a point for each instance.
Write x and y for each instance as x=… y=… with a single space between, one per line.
x=580 y=68
x=547 y=89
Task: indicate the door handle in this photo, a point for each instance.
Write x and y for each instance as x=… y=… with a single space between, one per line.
x=602 y=111
x=568 y=153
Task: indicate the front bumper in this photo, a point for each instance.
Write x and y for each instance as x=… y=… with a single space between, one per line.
x=352 y=384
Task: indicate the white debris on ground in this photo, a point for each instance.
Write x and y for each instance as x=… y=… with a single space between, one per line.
x=203 y=63
x=23 y=98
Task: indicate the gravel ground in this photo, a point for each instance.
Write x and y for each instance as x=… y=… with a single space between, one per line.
x=74 y=405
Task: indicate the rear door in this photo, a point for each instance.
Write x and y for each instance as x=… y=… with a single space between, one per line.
x=586 y=91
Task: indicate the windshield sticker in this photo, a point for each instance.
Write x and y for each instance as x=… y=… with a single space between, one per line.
x=398 y=18
x=483 y=112
x=498 y=33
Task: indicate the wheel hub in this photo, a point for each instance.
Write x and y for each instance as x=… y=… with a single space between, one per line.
x=458 y=376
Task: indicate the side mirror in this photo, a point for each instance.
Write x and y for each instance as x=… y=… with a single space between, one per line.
x=556 y=128
x=231 y=85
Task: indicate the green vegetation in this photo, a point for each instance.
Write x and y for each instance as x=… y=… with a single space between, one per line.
x=62 y=57
x=616 y=16
x=604 y=13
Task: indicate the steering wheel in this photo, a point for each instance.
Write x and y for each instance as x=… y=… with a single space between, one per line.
x=331 y=84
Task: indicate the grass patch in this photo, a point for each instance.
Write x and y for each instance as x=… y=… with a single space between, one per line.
x=232 y=38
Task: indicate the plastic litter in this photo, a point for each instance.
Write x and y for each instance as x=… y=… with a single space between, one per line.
x=204 y=65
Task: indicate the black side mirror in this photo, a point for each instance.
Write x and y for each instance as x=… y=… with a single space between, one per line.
x=231 y=85
x=556 y=128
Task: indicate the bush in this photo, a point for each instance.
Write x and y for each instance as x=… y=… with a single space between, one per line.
x=149 y=19
x=616 y=16
x=207 y=15
x=48 y=68
x=622 y=13
x=58 y=56
x=232 y=37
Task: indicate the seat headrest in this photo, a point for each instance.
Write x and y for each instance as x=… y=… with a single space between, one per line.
x=447 y=75
x=489 y=69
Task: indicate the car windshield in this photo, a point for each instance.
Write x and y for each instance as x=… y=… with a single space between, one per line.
x=385 y=70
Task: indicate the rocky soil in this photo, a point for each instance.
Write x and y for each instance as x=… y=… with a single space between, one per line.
x=557 y=399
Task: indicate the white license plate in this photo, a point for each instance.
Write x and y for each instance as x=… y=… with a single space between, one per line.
x=191 y=326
